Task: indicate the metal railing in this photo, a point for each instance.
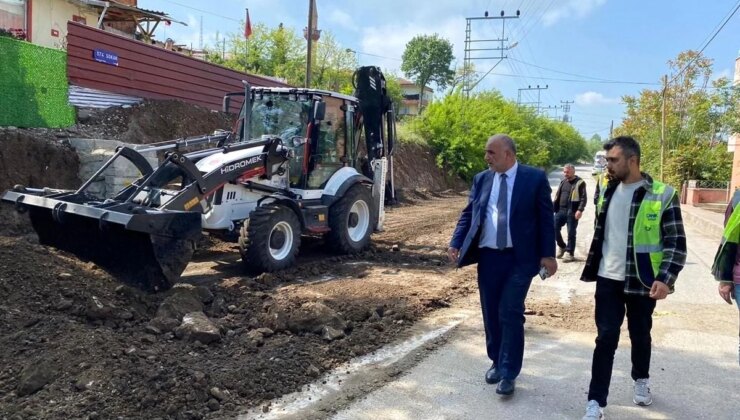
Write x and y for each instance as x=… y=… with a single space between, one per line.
x=701 y=183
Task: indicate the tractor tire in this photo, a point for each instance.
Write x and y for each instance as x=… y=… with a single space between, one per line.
x=351 y=220
x=269 y=239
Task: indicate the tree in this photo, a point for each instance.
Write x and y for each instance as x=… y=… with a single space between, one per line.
x=698 y=122
x=459 y=136
x=462 y=75
x=334 y=66
x=393 y=89
x=427 y=59
x=277 y=52
x=595 y=144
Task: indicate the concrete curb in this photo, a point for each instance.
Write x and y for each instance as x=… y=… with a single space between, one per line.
x=709 y=222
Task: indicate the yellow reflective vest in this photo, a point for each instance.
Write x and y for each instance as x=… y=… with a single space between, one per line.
x=724 y=259
x=603 y=183
x=575 y=195
x=647 y=243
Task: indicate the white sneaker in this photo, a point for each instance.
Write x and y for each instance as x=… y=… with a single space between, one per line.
x=593 y=411
x=642 y=392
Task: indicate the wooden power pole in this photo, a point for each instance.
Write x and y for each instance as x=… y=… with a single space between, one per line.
x=662 y=127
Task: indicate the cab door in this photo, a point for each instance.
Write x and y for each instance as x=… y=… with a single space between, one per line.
x=328 y=148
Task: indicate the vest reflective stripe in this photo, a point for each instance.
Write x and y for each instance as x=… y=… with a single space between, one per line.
x=724 y=259
x=648 y=248
x=603 y=183
x=575 y=194
x=646 y=233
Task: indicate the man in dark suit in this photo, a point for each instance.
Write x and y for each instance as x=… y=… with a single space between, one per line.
x=508 y=229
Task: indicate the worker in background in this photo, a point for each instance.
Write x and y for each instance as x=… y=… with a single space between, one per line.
x=569 y=203
x=602 y=179
x=726 y=267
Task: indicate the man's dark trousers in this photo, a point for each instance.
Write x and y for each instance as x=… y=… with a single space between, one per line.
x=562 y=218
x=611 y=302
x=503 y=289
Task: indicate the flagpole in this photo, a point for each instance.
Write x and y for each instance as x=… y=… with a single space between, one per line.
x=246 y=43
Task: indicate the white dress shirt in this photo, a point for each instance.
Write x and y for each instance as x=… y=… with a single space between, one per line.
x=488 y=235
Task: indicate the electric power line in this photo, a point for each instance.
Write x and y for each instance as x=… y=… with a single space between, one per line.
x=205 y=11
x=716 y=32
x=578 y=75
x=616 y=82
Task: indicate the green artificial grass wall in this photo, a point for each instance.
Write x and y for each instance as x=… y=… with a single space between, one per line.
x=33 y=86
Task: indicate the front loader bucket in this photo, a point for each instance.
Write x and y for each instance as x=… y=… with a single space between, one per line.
x=146 y=248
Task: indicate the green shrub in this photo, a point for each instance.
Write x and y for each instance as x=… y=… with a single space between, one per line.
x=407 y=133
x=458 y=130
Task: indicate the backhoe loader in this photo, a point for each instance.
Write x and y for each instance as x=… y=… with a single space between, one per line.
x=298 y=161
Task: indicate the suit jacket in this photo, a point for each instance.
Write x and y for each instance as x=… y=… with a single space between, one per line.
x=530 y=222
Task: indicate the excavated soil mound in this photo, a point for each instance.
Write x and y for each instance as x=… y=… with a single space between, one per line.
x=77 y=344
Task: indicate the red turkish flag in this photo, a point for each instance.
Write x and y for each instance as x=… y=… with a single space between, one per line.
x=248 y=27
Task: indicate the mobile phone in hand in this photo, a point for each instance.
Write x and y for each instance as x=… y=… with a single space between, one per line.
x=544 y=273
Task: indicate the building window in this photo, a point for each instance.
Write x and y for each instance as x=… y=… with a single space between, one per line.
x=13 y=16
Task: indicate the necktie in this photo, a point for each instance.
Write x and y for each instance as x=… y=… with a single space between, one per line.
x=502 y=221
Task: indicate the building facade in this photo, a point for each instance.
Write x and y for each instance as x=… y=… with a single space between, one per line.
x=734 y=139
x=410 y=92
x=44 y=22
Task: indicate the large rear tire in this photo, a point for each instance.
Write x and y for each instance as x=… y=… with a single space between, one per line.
x=269 y=239
x=351 y=221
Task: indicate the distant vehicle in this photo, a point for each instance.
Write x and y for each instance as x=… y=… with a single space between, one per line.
x=599 y=163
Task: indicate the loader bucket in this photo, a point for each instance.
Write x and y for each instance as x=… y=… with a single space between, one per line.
x=146 y=248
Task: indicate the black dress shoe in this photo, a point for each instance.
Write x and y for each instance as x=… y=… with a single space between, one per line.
x=506 y=387
x=493 y=376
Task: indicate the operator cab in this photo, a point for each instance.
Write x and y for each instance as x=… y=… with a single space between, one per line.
x=315 y=124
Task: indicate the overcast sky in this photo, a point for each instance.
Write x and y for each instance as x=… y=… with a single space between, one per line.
x=591 y=52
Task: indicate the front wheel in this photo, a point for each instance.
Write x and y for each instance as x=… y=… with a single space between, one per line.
x=269 y=239
x=351 y=221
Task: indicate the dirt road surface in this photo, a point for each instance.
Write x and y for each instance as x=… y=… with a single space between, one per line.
x=78 y=344
x=392 y=333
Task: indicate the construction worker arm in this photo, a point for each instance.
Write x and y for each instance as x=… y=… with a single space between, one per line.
x=582 y=194
x=597 y=192
x=674 y=243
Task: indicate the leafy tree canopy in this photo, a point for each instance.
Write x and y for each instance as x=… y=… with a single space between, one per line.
x=458 y=129
x=426 y=59
x=699 y=116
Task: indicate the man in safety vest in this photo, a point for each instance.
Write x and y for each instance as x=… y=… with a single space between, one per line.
x=638 y=249
x=569 y=202
x=602 y=180
x=726 y=267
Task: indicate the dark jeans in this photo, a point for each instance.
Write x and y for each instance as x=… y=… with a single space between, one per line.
x=503 y=289
x=562 y=218
x=611 y=302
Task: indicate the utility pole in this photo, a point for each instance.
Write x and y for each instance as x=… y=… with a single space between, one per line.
x=611 y=130
x=546 y=110
x=566 y=110
x=538 y=89
x=467 y=62
x=662 y=126
x=309 y=37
